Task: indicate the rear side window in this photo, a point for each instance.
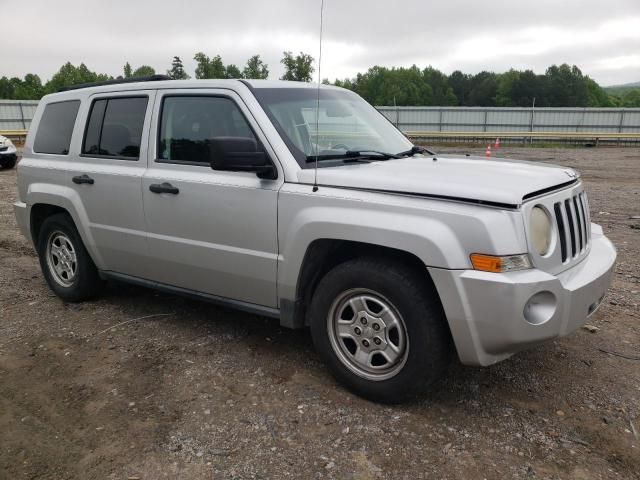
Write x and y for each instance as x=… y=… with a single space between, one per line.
x=114 y=128
x=189 y=124
x=55 y=128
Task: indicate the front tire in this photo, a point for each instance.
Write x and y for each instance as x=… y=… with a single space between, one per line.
x=8 y=164
x=65 y=262
x=380 y=328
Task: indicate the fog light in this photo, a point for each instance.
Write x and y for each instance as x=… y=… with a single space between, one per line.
x=540 y=308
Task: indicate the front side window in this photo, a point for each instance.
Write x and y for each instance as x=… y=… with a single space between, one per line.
x=55 y=128
x=189 y=124
x=115 y=127
x=345 y=123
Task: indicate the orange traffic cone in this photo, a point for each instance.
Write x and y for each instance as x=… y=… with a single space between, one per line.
x=497 y=144
x=488 y=152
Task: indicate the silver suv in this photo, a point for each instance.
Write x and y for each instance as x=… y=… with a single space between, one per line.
x=394 y=257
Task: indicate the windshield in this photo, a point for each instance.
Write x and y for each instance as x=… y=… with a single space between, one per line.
x=346 y=123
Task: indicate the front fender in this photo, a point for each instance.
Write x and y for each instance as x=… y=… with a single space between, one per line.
x=441 y=234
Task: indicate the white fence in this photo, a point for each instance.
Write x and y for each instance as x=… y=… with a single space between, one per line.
x=16 y=114
x=508 y=119
x=453 y=122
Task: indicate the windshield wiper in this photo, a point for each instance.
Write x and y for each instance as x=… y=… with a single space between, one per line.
x=354 y=155
x=414 y=150
x=373 y=154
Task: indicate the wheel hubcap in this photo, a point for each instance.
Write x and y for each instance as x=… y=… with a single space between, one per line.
x=61 y=259
x=367 y=334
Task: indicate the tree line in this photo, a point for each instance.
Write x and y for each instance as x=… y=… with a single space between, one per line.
x=559 y=86
x=297 y=68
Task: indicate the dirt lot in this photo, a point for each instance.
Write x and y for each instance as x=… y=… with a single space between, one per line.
x=86 y=391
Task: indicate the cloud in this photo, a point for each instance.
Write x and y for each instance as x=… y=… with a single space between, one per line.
x=457 y=34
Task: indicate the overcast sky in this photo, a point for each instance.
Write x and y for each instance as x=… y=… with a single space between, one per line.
x=601 y=37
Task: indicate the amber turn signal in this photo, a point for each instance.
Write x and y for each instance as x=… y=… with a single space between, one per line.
x=486 y=263
x=496 y=264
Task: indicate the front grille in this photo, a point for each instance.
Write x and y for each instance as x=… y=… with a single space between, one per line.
x=574 y=226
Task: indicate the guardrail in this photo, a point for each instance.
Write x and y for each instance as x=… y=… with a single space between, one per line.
x=595 y=137
x=19 y=136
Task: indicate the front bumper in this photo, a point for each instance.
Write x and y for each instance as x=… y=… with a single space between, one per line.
x=492 y=316
x=8 y=150
x=8 y=153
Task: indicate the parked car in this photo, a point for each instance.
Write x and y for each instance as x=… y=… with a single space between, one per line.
x=395 y=257
x=8 y=153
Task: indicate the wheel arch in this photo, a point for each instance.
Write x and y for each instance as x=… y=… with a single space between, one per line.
x=324 y=254
x=40 y=212
x=45 y=200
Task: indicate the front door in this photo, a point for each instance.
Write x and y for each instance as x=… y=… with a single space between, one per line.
x=208 y=231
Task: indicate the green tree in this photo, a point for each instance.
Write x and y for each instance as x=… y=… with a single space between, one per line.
x=396 y=86
x=443 y=94
x=144 y=71
x=209 y=67
x=519 y=89
x=232 y=71
x=568 y=87
x=72 y=75
x=596 y=96
x=299 y=68
x=8 y=87
x=461 y=85
x=484 y=88
x=28 y=89
x=177 y=70
x=255 y=68
x=631 y=99
x=127 y=70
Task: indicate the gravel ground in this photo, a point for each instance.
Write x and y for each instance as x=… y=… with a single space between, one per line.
x=142 y=385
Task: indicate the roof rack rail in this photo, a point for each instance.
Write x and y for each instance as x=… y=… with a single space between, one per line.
x=117 y=81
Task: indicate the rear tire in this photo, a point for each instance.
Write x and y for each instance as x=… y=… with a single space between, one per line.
x=65 y=262
x=380 y=328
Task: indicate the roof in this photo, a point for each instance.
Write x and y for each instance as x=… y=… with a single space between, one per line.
x=283 y=84
x=174 y=84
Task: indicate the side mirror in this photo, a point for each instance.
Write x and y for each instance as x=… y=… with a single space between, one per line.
x=240 y=154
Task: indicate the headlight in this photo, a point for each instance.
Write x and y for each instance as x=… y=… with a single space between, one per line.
x=540 y=230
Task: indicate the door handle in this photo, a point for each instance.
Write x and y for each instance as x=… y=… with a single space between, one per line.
x=80 y=179
x=165 y=187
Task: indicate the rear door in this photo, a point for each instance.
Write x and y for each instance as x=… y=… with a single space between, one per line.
x=209 y=231
x=107 y=176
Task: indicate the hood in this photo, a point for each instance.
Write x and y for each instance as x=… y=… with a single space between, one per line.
x=496 y=181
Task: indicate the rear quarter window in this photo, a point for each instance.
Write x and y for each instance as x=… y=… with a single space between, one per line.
x=55 y=128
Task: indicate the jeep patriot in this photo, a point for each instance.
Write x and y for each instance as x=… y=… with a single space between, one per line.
x=305 y=204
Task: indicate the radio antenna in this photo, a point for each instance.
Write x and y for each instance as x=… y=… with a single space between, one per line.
x=315 y=174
